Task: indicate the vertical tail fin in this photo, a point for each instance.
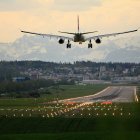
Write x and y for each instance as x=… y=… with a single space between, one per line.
x=78 y=24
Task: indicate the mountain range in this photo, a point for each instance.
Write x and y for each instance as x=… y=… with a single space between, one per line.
x=122 y=49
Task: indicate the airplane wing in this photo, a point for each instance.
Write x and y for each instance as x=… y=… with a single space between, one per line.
x=109 y=35
x=49 y=35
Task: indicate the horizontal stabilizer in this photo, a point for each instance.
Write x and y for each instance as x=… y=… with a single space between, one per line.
x=67 y=33
x=89 y=32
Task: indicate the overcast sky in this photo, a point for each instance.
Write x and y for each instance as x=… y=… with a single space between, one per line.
x=50 y=16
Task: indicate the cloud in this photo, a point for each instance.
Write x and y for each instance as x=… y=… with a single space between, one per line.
x=73 y=5
x=50 y=16
x=18 y=5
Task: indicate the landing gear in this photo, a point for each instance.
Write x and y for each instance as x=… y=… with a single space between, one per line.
x=68 y=45
x=90 y=44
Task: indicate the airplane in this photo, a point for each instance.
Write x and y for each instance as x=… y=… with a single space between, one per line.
x=79 y=36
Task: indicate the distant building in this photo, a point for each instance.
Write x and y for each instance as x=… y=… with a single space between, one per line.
x=95 y=82
x=20 y=79
x=126 y=71
x=126 y=79
x=34 y=76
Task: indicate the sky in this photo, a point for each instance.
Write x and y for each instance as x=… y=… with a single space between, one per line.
x=50 y=16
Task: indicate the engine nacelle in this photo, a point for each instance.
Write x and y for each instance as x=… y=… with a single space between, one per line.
x=98 y=40
x=61 y=41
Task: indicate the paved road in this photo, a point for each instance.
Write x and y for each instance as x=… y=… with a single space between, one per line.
x=113 y=94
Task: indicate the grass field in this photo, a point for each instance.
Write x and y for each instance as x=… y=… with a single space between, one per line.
x=61 y=92
x=39 y=120
x=70 y=128
x=75 y=136
x=94 y=121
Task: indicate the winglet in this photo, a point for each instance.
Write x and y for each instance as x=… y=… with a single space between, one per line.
x=22 y=31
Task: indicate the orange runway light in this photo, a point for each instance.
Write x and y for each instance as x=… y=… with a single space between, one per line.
x=106 y=103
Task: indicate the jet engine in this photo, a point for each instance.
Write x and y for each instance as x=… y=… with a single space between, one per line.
x=98 y=40
x=61 y=41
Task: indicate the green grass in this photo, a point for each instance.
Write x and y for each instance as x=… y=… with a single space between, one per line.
x=68 y=123
x=75 y=136
x=70 y=128
x=75 y=127
x=71 y=91
x=63 y=92
x=65 y=126
x=71 y=110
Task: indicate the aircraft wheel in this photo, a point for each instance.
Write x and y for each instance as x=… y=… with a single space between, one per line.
x=68 y=46
x=89 y=45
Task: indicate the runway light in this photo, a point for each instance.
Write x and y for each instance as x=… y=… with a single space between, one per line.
x=55 y=113
x=113 y=114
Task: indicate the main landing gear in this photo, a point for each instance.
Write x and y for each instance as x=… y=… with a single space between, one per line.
x=90 y=44
x=68 y=45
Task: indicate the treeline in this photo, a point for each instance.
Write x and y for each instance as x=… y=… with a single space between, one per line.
x=6 y=87
x=28 y=88
x=20 y=65
x=23 y=89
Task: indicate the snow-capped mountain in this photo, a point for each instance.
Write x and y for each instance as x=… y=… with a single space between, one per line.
x=38 y=48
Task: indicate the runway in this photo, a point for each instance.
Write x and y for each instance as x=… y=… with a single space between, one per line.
x=122 y=94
